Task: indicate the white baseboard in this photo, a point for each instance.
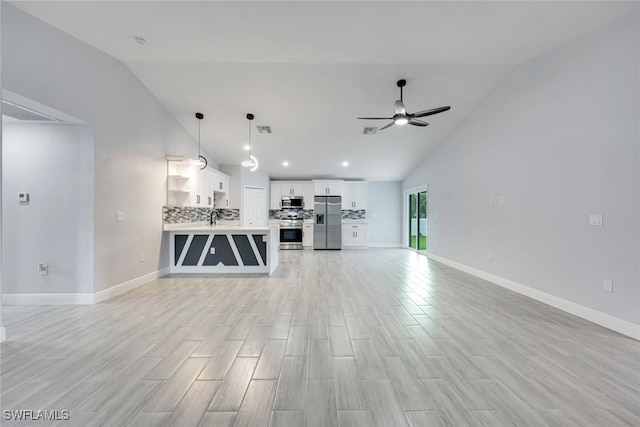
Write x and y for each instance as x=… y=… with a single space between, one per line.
x=47 y=299
x=79 y=299
x=3 y=334
x=129 y=285
x=615 y=324
x=385 y=245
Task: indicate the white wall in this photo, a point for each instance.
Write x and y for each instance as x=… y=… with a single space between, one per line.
x=559 y=140
x=133 y=134
x=384 y=213
x=2 y=330
x=54 y=164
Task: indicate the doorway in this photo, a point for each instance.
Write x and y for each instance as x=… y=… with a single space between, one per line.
x=417 y=209
x=255 y=207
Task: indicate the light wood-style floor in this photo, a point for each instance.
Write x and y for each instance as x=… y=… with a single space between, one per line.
x=351 y=338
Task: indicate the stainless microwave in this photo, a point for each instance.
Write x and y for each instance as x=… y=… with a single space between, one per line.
x=292 y=202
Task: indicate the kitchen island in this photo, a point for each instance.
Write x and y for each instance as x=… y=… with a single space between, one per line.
x=203 y=248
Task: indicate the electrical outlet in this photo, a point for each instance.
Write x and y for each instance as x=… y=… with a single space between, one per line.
x=212 y=250
x=142 y=257
x=501 y=199
x=119 y=216
x=607 y=286
x=490 y=256
x=595 y=220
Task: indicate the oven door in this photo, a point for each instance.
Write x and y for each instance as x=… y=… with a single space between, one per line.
x=290 y=237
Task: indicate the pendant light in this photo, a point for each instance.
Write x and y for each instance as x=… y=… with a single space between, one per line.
x=201 y=162
x=252 y=163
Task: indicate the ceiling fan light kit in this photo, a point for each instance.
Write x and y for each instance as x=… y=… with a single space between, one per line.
x=401 y=117
x=252 y=162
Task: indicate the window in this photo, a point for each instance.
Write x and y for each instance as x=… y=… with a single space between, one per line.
x=418 y=221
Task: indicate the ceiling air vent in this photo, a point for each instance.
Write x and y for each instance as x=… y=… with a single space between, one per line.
x=264 y=129
x=24 y=114
x=370 y=130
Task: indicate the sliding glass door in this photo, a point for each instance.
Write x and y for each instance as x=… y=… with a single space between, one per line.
x=418 y=221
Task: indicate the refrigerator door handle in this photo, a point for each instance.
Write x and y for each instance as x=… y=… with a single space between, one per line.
x=319 y=219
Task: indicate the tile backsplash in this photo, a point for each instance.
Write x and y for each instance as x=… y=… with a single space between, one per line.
x=308 y=213
x=283 y=213
x=354 y=214
x=177 y=215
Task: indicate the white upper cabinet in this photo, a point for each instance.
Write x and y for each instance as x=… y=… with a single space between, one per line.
x=188 y=185
x=220 y=189
x=275 y=195
x=292 y=188
x=308 y=194
x=327 y=188
x=354 y=195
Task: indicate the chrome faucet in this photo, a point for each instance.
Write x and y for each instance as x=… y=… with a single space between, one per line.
x=213 y=218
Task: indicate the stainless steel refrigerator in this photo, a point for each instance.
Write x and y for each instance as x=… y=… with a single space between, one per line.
x=327 y=229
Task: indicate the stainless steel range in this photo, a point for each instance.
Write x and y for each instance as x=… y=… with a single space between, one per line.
x=291 y=232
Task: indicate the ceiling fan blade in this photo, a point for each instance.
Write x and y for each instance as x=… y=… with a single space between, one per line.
x=420 y=123
x=375 y=118
x=386 y=126
x=399 y=106
x=430 y=112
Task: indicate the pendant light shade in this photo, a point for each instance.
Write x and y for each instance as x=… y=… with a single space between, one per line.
x=252 y=162
x=200 y=162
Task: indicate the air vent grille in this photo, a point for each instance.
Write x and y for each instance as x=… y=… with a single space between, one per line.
x=370 y=130
x=264 y=129
x=24 y=114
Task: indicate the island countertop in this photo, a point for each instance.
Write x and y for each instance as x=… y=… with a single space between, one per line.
x=218 y=228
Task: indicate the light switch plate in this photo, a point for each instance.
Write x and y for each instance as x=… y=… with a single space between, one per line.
x=595 y=220
x=23 y=197
x=119 y=216
x=607 y=286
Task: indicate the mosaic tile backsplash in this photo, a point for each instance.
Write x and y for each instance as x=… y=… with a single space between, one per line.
x=177 y=215
x=283 y=213
x=354 y=214
x=308 y=213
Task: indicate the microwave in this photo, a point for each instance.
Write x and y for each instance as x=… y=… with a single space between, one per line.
x=292 y=202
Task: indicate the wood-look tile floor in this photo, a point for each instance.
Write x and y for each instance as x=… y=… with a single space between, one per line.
x=351 y=338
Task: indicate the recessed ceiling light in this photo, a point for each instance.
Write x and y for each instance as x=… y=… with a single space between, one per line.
x=247 y=148
x=285 y=163
x=345 y=164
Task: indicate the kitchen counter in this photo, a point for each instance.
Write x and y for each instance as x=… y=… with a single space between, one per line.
x=222 y=248
x=207 y=227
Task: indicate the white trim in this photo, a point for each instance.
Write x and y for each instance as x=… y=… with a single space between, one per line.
x=385 y=245
x=3 y=334
x=128 y=285
x=47 y=299
x=81 y=299
x=615 y=324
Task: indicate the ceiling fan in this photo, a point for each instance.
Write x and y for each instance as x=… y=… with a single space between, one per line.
x=401 y=117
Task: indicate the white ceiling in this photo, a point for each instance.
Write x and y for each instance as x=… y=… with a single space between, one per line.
x=308 y=69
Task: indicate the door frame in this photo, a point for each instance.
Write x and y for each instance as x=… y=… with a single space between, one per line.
x=242 y=204
x=405 y=215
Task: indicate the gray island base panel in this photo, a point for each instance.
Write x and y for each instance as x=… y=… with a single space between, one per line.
x=224 y=251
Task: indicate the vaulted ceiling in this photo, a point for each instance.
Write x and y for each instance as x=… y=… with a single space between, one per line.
x=308 y=69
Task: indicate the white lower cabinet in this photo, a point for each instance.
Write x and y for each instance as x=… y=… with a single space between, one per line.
x=354 y=235
x=307 y=235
